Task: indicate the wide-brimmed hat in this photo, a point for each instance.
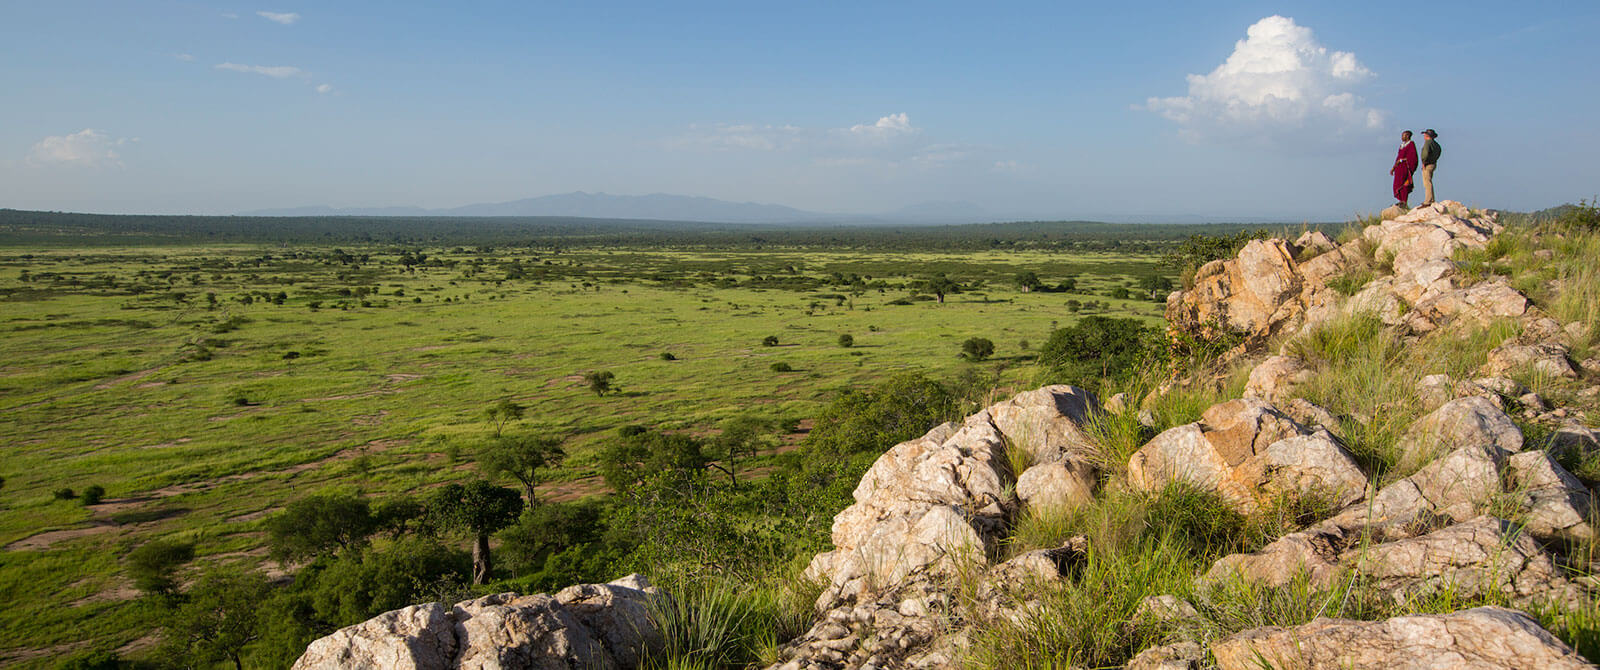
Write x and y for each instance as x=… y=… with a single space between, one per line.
x=1429 y=132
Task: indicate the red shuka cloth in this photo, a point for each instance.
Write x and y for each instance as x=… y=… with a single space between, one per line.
x=1405 y=163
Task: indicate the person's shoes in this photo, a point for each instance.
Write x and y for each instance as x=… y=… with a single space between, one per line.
x=1426 y=204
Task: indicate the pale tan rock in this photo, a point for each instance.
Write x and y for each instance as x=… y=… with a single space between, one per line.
x=1464 y=422
x=1557 y=503
x=1057 y=486
x=1181 y=655
x=1313 y=243
x=1435 y=390
x=1482 y=556
x=419 y=637
x=1313 y=464
x=1117 y=403
x=584 y=626
x=1239 y=429
x=1545 y=358
x=1574 y=437
x=1047 y=422
x=1276 y=379
x=1312 y=415
x=1314 y=552
x=1164 y=608
x=1480 y=638
x=1183 y=453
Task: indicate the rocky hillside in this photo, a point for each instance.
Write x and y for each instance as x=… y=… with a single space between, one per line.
x=1394 y=468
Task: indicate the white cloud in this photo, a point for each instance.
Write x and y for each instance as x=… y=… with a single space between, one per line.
x=1279 y=81
x=285 y=18
x=184 y=57
x=85 y=148
x=891 y=125
x=274 y=71
x=229 y=15
x=324 y=88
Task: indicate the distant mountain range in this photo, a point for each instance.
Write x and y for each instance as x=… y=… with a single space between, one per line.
x=668 y=207
x=660 y=206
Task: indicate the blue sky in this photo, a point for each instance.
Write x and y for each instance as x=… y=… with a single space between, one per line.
x=1052 y=109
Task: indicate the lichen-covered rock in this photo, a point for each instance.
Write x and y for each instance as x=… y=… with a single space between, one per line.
x=1483 y=637
x=419 y=637
x=1181 y=655
x=1048 y=422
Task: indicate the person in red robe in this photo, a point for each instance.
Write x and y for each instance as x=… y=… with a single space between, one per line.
x=1405 y=164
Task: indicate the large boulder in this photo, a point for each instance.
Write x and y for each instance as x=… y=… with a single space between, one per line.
x=1252 y=293
x=1557 y=503
x=584 y=626
x=1464 y=422
x=1246 y=450
x=932 y=505
x=1483 y=637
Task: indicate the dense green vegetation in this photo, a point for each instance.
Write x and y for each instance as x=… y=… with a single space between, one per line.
x=282 y=439
x=209 y=391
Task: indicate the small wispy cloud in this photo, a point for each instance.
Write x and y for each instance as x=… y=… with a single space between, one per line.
x=324 y=88
x=230 y=15
x=887 y=126
x=285 y=18
x=187 y=58
x=274 y=71
x=85 y=148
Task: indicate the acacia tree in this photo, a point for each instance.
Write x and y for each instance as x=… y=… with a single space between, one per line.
x=478 y=508
x=520 y=457
x=977 y=348
x=939 y=285
x=599 y=381
x=502 y=413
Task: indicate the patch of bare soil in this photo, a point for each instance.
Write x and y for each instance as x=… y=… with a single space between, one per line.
x=125 y=379
x=43 y=541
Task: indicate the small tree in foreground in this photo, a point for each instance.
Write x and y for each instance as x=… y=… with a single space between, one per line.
x=846 y=340
x=320 y=524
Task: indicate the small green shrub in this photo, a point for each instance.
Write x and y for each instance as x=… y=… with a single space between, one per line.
x=846 y=340
x=977 y=348
x=93 y=494
x=781 y=366
x=668 y=356
x=769 y=341
x=64 y=493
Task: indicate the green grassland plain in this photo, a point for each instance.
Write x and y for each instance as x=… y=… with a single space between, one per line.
x=180 y=380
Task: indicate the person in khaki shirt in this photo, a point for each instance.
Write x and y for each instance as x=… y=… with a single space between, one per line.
x=1429 y=160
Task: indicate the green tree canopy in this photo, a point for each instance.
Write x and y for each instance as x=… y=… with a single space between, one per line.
x=320 y=524
x=479 y=509
x=520 y=457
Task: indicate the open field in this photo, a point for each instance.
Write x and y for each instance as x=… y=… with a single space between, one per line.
x=205 y=386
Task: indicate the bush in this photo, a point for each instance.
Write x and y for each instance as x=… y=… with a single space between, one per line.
x=977 y=348
x=1098 y=348
x=769 y=341
x=667 y=356
x=1584 y=216
x=64 y=493
x=94 y=494
x=846 y=340
x=781 y=366
x=153 y=566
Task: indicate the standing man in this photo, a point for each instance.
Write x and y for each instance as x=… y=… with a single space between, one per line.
x=1405 y=163
x=1430 y=158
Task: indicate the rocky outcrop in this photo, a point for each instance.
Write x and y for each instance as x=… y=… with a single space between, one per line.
x=1543 y=358
x=1276 y=379
x=1246 y=450
x=930 y=505
x=1274 y=287
x=581 y=627
x=1484 y=637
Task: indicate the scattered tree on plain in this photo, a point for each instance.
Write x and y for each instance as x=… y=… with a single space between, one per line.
x=521 y=457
